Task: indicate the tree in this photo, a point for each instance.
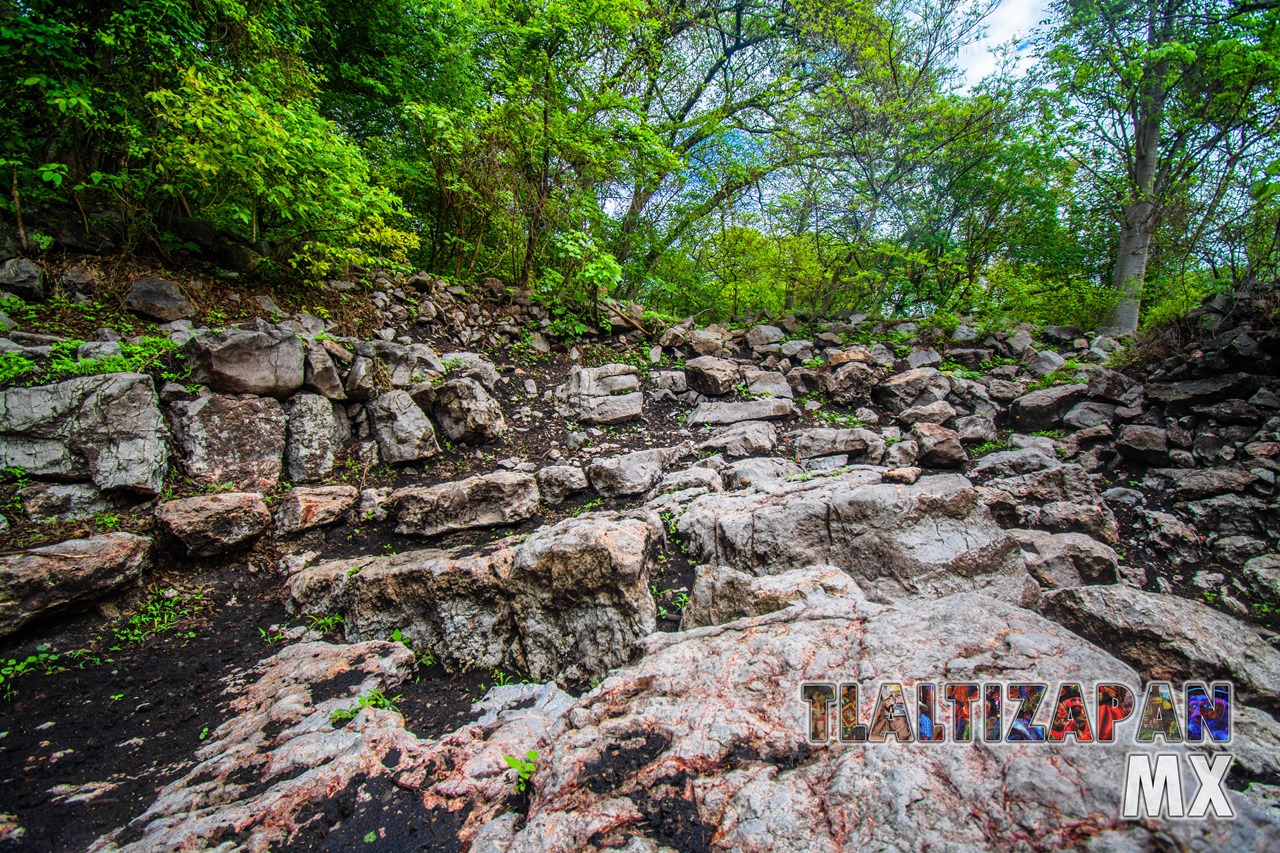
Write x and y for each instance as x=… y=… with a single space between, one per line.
x=1166 y=98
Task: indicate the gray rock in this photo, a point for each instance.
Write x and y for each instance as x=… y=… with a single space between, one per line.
x=1044 y=409
x=321 y=375
x=159 y=300
x=1045 y=363
x=46 y=502
x=304 y=508
x=796 y=349
x=1181 y=396
x=471 y=365
x=722 y=412
x=850 y=383
x=633 y=473
x=930 y=538
x=487 y=500
x=863 y=443
x=211 y=525
x=314 y=437
x=939 y=447
x=937 y=412
x=759 y=336
x=1263 y=574
x=1011 y=463
x=257 y=358
x=751 y=472
x=23 y=278
x=923 y=357
x=237 y=440
x=766 y=382
x=712 y=376
x=1018 y=342
x=1059 y=560
x=1089 y=414
x=1172 y=639
x=360 y=385
x=1195 y=483
x=1143 y=443
x=749 y=438
x=918 y=387
x=976 y=429
x=106 y=428
x=50 y=580
x=403 y=432
x=601 y=395
x=557 y=482
x=467 y=413
x=1112 y=386
x=721 y=594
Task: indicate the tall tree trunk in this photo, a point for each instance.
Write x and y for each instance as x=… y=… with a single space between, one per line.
x=1131 y=265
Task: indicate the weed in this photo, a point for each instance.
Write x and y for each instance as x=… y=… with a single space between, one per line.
x=681 y=600
x=325 y=624
x=164 y=611
x=371 y=699
x=524 y=768
x=588 y=506
x=106 y=520
x=204 y=733
x=270 y=638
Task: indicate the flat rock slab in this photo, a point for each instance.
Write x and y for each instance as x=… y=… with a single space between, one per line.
x=210 y=525
x=633 y=473
x=607 y=394
x=307 y=508
x=486 y=500
x=52 y=579
x=724 y=412
x=106 y=428
x=933 y=537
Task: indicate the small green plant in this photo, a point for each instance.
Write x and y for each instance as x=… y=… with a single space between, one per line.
x=371 y=699
x=680 y=600
x=271 y=638
x=14 y=366
x=163 y=611
x=588 y=506
x=106 y=520
x=500 y=678
x=325 y=624
x=204 y=733
x=524 y=767
x=451 y=364
x=116 y=697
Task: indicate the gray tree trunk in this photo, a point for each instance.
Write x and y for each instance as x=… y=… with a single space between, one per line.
x=1131 y=266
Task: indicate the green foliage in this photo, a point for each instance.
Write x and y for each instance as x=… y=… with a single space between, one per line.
x=524 y=767
x=368 y=699
x=14 y=366
x=164 y=610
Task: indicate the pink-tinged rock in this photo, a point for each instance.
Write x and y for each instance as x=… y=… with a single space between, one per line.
x=209 y=525
x=45 y=581
x=305 y=508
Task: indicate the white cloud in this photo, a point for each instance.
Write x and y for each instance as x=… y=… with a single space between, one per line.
x=1013 y=19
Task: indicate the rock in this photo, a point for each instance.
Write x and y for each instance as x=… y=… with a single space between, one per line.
x=1018 y=342
x=1167 y=638
x=315 y=435
x=159 y=300
x=725 y=700
x=766 y=383
x=902 y=475
x=105 y=428
x=236 y=440
x=633 y=473
x=1146 y=444
x=321 y=376
x=1011 y=463
x=701 y=479
x=571 y=601
x=918 y=387
x=749 y=438
x=467 y=413
x=1089 y=414
x=720 y=412
x=486 y=500
x=800 y=350
x=809 y=443
x=1263 y=574
x=976 y=429
x=722 y=594
x=256 y=358
x=752 y=472
x=303 y=508
x=712 y=376
x=1181 y=396
x=930 y=538
x=850 y=383
x=601 y=395
x=557 y=482
x=1060 y=560
x=45 y=502
x=52 y=579
x=1195 y=483
x=23 y=278
x=403 y=432
x=939 y=446
x=1044 y=409
x=1045 y=363
x=708 y=341
x=1112 y=386
x=923 y=357
x=471 y=365
x=937 y=412
x=211 y=525
x=759 y=336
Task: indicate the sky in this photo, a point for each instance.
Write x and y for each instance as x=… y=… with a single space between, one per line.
x=1014 y=19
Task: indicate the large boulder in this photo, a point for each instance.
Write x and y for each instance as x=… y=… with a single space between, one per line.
x=211 y=525
x=571 y=601
x=721 y=594
x=1147 y=444
x=107 y=429
x=467 y=413
x=51 y=579
x=237 y=440
x=557 y=482
x=23 y=278
x=633 y=473
x=1181 y=396
x=315 y=435
x=305 y=508
x=1059 y=560
x=159 y=300
x=939 y=446
x=861 y=443
x=933 y=537
x=712 y=376
x=403 y=432
x=850 y=383
x=716 y=412
x=607 y=394
x=256 y=358
x=749 y=438
x=918 y=387
x=486 y=500
x=1168 y=638
x=1046 y=408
